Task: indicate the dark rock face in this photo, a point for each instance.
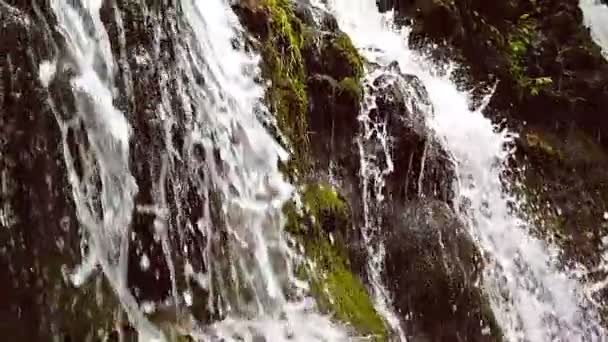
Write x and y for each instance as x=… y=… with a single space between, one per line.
x=39 y=233
x=433 y=268
x=41 y=239
x=522 y=44
x=567 y=189
x=552 y=87
x=422 y=167
x=153 y=81
x=432 y=265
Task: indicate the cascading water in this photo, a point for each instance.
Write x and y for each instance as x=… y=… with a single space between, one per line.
x=532 y=299
x=104 y=211
x=247 y=270
x=376 y=163
x=596 y=18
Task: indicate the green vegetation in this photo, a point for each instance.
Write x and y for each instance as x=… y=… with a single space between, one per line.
x=344 y=46
x=337 y=290
x=351 y=88
x=284 y=67
x=322 y=200
x=519 y=43
x=282 y=49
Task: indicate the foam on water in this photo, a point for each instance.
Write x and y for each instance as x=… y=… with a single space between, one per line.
x=248 y=277
x=532 y=299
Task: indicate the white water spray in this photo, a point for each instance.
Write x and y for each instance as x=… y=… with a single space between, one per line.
x=249 y=179
x=596 y=18
x=104 y=211
x=248 y=279
x=375 y=164
x=532 y=299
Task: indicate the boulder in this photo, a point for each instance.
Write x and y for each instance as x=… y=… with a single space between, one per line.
x=433 y=269
x=422 y=167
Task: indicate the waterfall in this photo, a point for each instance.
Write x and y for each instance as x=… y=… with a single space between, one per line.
x=228 y=161
x=102 y=185
x=532 y=299
x=376 y=163
x=596 y=18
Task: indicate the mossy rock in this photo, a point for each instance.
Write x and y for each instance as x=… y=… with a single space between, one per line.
x=294 y=55
x=343 y=59
x=320 y=228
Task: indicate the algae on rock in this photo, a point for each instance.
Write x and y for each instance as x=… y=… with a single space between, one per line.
x=294 y=54
x=320 y=227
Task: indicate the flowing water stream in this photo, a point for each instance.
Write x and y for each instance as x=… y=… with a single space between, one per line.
x=596 y=18
x=239 y=186
x=229 y=161
x=376 y=163
x=532 y=299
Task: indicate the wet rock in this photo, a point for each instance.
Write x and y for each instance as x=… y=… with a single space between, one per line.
x=433 y=269
x=35 y=275
x=551 y=85
x=557 y=52
x=320 y=19
x=422 y=167
x=39 y=233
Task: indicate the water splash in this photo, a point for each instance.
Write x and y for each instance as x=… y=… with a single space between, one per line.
x=228 y=161
x=532 y=299
x=250 y=183
x=376 y=163
x=596 y=18
x=102 y=185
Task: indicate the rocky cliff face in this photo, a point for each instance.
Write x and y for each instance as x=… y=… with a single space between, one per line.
x=551 y=85
x=425 y=276
x=548 y=69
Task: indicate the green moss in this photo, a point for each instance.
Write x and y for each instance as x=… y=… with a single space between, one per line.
x=337 y=290
x=282 y=45
x=323 y=200
x=344 y=46
x=351 y=88
x=340 y=293
x=519 y=43
x=284 y=67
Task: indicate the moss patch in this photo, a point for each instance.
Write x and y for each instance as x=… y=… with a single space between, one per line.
x=348 y=53
x=284 y=67
x=319 y=228
x=339 y=292
x=350 y=88
x=324 y=201
x=520 y=41
x=320 y=225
